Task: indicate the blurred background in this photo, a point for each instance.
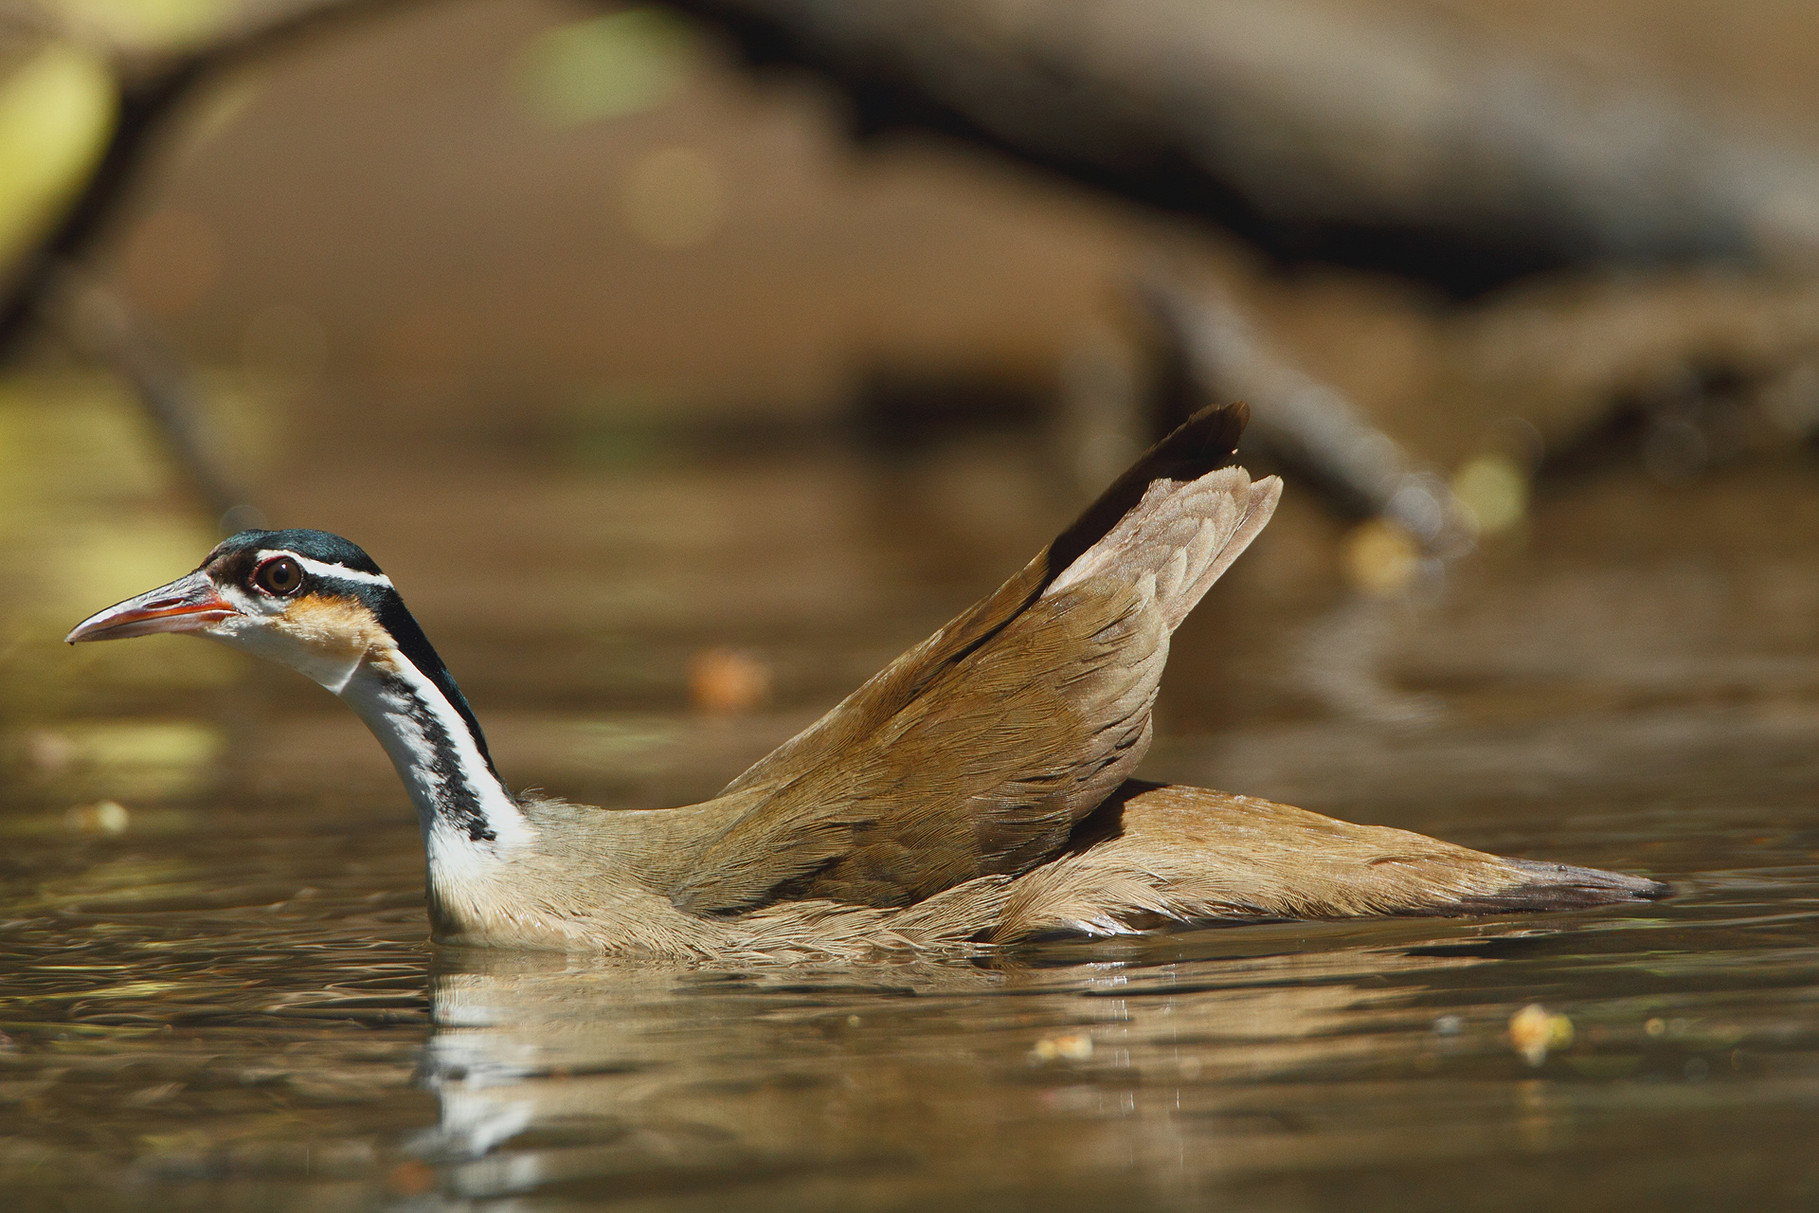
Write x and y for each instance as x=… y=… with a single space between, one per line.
x=684 y=364
x=646 y=345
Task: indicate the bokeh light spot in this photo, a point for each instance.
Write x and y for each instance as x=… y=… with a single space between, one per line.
x=674 y=198
x=1495 y=490
x=1381 y=558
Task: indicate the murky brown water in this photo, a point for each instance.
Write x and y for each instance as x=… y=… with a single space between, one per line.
x=229 y=1003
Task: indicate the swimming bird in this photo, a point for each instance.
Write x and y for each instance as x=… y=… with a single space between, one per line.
x=976 y=792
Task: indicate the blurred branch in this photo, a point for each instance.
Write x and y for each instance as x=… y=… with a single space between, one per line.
x=47 y=283
x=103 y=325
x=20 y=16
x=151 y=92
x=1563 y=355
x=1212 y=352
x=1389 y=143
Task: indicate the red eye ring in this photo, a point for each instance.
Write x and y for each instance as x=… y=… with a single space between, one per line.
x=280 y=577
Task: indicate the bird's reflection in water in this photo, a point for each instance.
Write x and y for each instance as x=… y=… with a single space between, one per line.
x=889 y=1084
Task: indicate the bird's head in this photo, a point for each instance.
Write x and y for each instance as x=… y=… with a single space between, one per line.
x=306 y=599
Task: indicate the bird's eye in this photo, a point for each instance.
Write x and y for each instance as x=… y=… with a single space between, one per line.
x=281 y=576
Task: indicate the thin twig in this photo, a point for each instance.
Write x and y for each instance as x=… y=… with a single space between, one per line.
x=105 y=327
x=1300 y=420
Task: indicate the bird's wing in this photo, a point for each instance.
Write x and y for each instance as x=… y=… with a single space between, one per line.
x=978 y=750
x=1161 y=853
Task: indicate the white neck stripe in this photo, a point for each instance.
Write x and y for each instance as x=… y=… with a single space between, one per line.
x=502 y=813
x=385 y=699
x=323 y=569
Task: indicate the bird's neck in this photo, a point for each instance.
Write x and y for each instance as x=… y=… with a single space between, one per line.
x=471 y=824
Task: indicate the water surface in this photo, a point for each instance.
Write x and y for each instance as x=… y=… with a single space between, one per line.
x=220 y=995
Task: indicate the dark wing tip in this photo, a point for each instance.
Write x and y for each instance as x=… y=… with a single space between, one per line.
x=1560 y=886
x=1203 y=443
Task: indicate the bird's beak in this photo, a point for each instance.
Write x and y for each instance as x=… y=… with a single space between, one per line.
x=188 y=604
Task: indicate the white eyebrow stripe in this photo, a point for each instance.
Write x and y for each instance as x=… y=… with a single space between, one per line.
x=322 y=569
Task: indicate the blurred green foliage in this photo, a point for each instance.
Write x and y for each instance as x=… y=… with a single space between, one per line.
x=55 y=113
x=604 y=67
x=146 y=23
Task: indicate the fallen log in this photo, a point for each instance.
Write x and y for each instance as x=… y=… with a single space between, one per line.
x=1391 y=144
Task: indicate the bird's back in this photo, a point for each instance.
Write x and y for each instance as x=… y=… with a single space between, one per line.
x=978 y=788
x=979 y=751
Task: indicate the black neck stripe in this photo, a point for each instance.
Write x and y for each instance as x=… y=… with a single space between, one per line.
x=457 y=801
x=415 y=646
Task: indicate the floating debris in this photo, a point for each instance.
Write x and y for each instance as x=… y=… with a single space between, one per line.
x=103 y=817
x=1535 y=1030
x=1072 y=1046
x=728 y=682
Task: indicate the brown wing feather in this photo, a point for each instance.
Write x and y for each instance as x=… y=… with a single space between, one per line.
x=985 y=771
x=1157 y=853
x=1203 y=443
x=977 y=751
